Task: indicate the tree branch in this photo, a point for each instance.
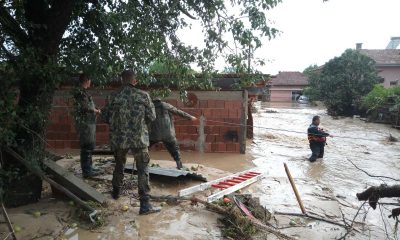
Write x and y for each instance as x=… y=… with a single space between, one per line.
x=12 y=28
x=371 y=175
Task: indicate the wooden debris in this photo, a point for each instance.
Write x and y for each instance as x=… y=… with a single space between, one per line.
x=236 y=216
x=303 y=210
x=74 y=184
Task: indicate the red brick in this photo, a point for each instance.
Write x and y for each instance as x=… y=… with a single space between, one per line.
x=237 y=147
x=211 y=103
x=210 y=138
x=231 y=147
x=100 y=102
x=192 y=137
x=229 y=105
x=214 y=147
x=74 y=144
x=224 y=113
x=223 y=130
x=178 y=129
x=234 y=121
x=233 y=113
x=207 y=113
x=220 y=104
x=73 y=136
x=203 y=104
x=102 y=128
x=207 y=147
x=216 y=113
x=67 y=144
x=219 y=138
x=191 y=129
x=51 y=135
x=59 y=144
x=102 y=137
x=237 y=104
x=222 y=147
x=215 y=130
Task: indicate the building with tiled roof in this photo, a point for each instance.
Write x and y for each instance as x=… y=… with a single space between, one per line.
x=387 y=63
x=287 y=86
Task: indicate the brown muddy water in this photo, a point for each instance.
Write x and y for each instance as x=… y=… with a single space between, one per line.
x=371 y=152
x=327 y=187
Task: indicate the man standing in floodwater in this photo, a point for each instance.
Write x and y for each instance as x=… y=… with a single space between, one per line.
x=85 y=123
x=317 y=139
x=163 y=130
x=129 y=111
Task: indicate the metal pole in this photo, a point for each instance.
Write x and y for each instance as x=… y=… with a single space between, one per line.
x=303 y=210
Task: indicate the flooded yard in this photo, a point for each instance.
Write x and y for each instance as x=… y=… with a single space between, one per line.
x=365 y=144
x=328 y=187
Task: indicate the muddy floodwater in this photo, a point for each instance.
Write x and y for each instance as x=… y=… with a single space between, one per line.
x=327 y=187
x=365 y=144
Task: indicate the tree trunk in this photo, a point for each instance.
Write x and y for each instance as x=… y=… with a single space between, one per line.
x=35 y=99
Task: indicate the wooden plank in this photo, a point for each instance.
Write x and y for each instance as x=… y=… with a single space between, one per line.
x=243 y=122
x=74 y=184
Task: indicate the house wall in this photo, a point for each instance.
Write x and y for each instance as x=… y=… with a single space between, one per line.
x=213 y=134
x=389 y=74
x=283 y=93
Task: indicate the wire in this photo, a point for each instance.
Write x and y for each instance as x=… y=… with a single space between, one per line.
x=282 y=130
x=291 y=131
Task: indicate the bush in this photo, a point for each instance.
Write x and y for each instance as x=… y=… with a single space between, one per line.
x=380 y=96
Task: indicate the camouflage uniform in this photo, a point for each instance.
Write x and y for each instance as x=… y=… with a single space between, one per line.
x=85 y=123
x=163 y=130
x=129 y=111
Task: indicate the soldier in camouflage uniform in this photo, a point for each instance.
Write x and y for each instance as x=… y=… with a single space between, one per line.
x=129 y=111
x=85 y=122
x=163 y=130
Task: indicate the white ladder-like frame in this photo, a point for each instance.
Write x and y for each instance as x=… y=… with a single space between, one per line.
x=219 y=194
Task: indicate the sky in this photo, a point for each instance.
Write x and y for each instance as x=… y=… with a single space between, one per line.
x=313 y=31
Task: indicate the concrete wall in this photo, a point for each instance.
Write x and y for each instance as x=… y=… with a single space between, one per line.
x=211 y=134
x=389 y=74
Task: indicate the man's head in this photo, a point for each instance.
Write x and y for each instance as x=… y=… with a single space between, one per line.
x=316 y=120
x=84 y=80
x=128 y=76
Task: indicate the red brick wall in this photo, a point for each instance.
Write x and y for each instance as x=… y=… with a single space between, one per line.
x=222 y=107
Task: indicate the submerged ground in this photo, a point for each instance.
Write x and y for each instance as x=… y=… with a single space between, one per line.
x=328 y=186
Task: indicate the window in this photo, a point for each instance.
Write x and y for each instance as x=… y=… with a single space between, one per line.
x=393 y=83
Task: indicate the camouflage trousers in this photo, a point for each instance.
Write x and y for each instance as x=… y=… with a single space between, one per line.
x=142 y=160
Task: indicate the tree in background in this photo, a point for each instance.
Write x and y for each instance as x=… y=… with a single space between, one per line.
x=379 y=97
x=343 y=82
x=43 y=42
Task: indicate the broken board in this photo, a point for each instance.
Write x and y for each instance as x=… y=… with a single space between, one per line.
x=169 y=172
x=74 y=184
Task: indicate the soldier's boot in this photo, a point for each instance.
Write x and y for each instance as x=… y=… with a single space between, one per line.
x=179 y=164
x=86 y=163
x=146 y=208
x=177 y=158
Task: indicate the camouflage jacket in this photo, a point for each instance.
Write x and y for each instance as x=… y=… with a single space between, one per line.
x=129 y=111
x=162 y=129
x=83 y=108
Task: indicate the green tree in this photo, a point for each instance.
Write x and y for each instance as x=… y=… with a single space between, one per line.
x=343 y=81
x=46 y=41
